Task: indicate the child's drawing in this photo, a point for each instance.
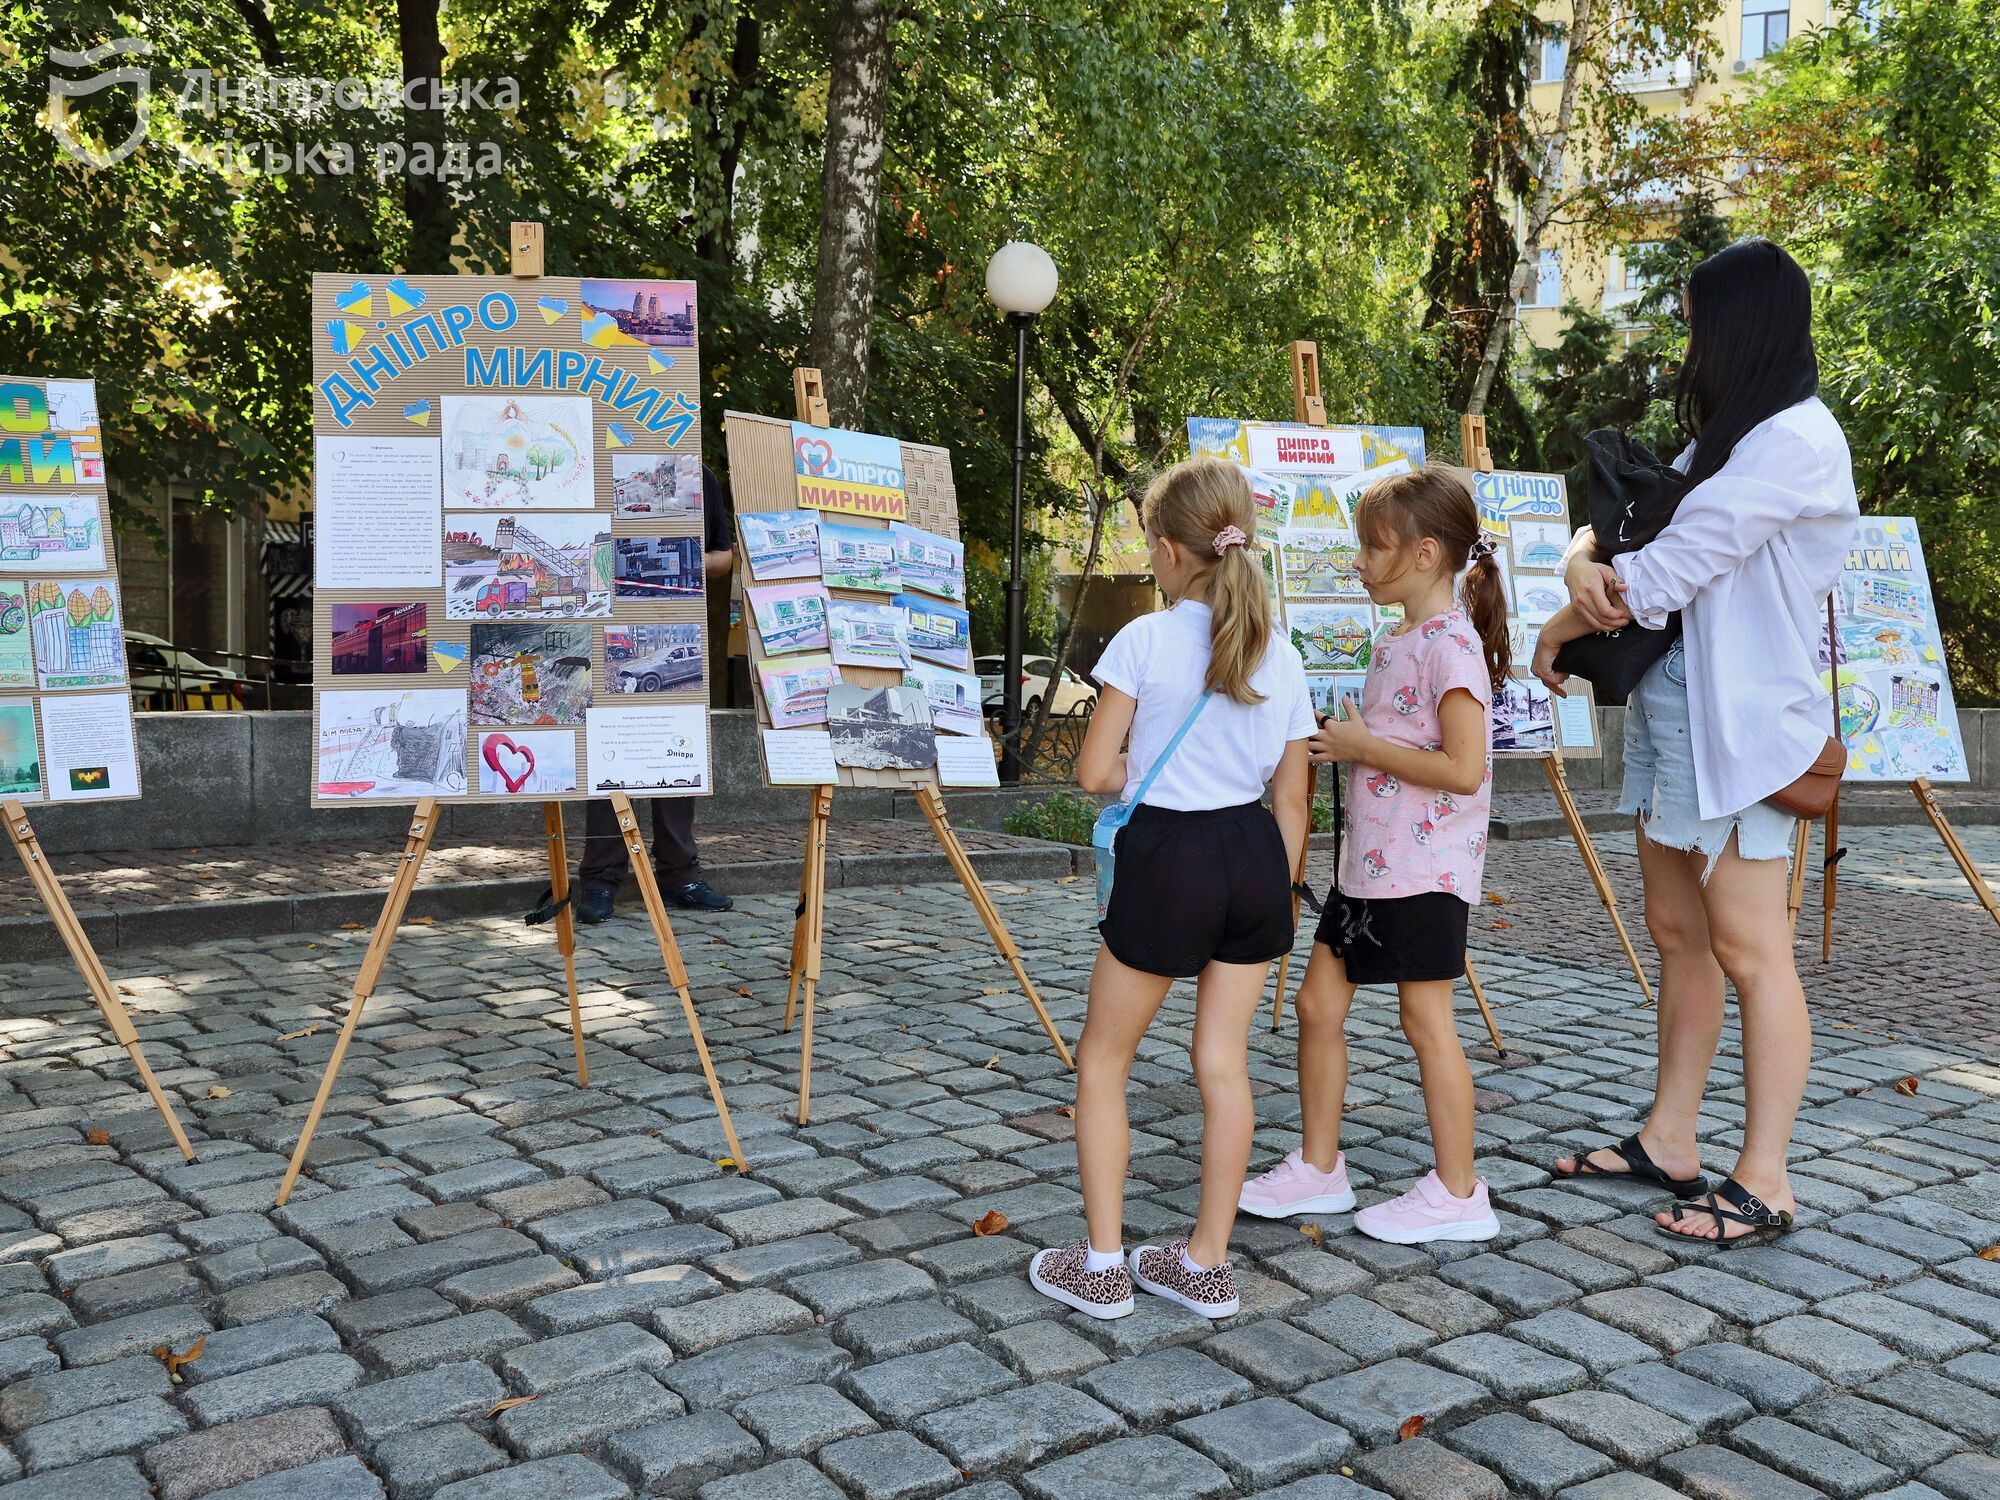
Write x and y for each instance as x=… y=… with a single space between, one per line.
x=781 y=543
x=51 y=534
x=527 y=763
x=795 y=688
x=938 y=632
x=953 y=696
x=867 y=635
x=543 y=568
x=1319 y=563
x=17 y=651
x=390 y=745
x=858 y=557
x=789 y=616
x=1332 y=637
x=518 y=453
x=79 y=633
x=928 y=561
x=530 y=674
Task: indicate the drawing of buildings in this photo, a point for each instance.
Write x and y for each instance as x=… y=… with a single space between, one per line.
x=1914 y=700
x=34 y=531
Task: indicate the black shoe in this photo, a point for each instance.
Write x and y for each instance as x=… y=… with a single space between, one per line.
x=593 y=903
x=697 y=895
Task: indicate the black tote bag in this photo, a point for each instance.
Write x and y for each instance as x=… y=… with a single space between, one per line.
x=1630 y=497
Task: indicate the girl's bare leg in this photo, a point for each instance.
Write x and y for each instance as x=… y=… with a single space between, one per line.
x=1323 y=1001
x=1227 y=997
x=1123 y=1002
x=1427 y=1022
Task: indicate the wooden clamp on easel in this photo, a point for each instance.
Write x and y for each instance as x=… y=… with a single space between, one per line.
x=525 y=247
x=1309 y=406
x=49 y=888
x=1472 y=441
x=809 y=926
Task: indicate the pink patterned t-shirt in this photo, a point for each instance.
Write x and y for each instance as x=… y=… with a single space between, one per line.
x=1402 y=839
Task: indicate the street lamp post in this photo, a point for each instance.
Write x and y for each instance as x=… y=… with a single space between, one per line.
x=1021 y=280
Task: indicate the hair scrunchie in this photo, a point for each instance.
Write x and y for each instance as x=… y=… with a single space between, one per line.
x=1230 y=536
x=1486 y=546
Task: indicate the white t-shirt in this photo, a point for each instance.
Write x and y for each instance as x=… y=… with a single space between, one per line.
x=1228 y=756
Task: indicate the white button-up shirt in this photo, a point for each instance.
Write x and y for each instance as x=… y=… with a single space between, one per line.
x=1749 y=559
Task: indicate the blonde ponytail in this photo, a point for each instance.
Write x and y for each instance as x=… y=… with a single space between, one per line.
x=1200 y=504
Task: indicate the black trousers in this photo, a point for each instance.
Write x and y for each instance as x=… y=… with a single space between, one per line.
x=675 y=857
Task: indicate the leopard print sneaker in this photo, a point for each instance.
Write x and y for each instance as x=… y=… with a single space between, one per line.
x=1099 y=1294
x=1212 y=1293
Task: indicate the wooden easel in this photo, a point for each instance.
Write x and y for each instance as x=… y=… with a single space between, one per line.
x=1472 y=442
x=1309 y=406
x=49 y=888
x=525 y=245
x=809 y=926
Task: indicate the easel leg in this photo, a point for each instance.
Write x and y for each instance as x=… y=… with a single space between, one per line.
x=1830 y=878
x=1797 y=897
x=552 y=817
x=808 y=934
x=77 y=941
x=1485 y=1010
x=1928 y=800
x=663 y=932
x=423 y=824
x=1552 y=768
x=933 y=805
x=1298 y=880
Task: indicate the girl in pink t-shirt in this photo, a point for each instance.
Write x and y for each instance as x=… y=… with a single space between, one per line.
x=1419 y=786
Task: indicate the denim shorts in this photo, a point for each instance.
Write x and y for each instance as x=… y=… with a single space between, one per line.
x=1659 y=776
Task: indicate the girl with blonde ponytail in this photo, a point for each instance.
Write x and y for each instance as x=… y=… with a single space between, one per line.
x=1216 y=705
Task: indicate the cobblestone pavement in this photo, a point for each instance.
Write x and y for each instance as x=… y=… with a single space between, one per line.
x=495 y=1286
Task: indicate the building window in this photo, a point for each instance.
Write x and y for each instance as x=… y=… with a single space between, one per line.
x=1766 y=25
x=1547 y=290
x=1635 y=277
x=1553 y=56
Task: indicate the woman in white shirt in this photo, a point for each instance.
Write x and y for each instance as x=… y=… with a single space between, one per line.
x=1732 y=713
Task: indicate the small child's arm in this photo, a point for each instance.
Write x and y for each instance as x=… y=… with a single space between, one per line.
x=1459 y=767
x=1565 y=625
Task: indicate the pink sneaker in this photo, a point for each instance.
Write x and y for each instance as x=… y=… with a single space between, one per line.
x=1429 y=1212
x=1295 y=1186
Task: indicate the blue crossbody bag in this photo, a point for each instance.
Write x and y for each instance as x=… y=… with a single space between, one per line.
x=1104 y=837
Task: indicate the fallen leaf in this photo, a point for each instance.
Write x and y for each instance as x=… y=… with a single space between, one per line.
x=743 y=989
x=1068 y=879
x=990 y=1222
x=1312 y=1232
x=99 y=1138
x=725 y=1162
x=350 y=926
x=1503 y=926
x=993 y=1061
x=508 y=1405
x=993 y=990
x=173 y=1361
x=1410 y=1428
x=1907 y=1085
x=1494 y=898
x=423 y=922
x=306 y=1030
x=218 y=1091
x=1991 y=1252
x=1843 y=1025
x=1067 y=1111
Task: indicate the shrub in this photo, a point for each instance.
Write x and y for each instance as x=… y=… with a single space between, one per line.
x=1061 y=818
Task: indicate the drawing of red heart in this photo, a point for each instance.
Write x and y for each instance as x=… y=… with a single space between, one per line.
x=816 y=454
x=491 y=751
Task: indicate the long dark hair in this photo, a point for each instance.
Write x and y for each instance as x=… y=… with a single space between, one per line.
x=1750 y=349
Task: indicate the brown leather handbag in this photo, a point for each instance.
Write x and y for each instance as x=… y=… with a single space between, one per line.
x=1812 y=794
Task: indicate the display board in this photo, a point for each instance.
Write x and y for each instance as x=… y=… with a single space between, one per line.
x=854 y=596
x=1898 y=716
x=508 y=594
x=66 y=732
x=1306 y=480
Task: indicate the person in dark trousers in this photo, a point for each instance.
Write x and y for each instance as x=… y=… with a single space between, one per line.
x=676 y=860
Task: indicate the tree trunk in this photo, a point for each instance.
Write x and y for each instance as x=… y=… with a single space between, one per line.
x=850 y=198
x=1500 y=337
x=717 y=245
x=425 y=199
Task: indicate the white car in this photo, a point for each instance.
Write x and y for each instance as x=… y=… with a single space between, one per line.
x=1074 y=694
x=163 y=677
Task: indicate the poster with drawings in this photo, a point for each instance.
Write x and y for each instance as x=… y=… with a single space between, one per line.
x=1898 y=715
x=508 y=514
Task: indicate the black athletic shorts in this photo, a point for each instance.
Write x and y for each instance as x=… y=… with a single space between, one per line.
x=1402 y=938
x=1199 y=887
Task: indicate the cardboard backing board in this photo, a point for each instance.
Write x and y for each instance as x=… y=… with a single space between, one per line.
x=763 y=476
x=66 y=730
x=543 y=435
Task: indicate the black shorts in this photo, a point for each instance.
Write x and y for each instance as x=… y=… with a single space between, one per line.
x=1401 y=939
x=1195 y=888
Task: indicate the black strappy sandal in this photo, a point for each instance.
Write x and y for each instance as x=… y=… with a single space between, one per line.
x=1747 y=1208
x=1641 y=1170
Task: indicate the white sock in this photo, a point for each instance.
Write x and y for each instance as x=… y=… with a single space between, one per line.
x=1193 y=1269
x=1095 y=1259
